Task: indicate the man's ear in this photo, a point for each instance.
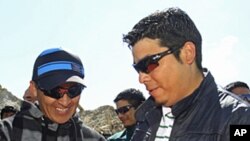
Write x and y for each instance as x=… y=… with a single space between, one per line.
x=33 y=88
x=189 y=53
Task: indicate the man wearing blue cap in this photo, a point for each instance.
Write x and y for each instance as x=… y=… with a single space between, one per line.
x=58 y=82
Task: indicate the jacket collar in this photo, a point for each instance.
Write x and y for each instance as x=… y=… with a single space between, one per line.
x=181 y=107
x=31 y=109
x=149 y=111
x=203 y=91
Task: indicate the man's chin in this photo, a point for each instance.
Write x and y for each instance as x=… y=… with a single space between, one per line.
x=161 y=103
x=158 y=102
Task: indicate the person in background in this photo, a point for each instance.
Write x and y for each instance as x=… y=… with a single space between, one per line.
x=28 y=96
x=8 y=111
x=127 y=102
x=58 y=82
x=184 y=103
x=239 y=88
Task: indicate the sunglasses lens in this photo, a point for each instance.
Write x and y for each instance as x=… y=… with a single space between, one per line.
x=146 y=68
x=137 y=68
x=123 y=110
x=146 y=65
x=58 y=92
x=141 y=66
x=149 y=63
x=75 y=90
x=151 y=67
x=246 y=97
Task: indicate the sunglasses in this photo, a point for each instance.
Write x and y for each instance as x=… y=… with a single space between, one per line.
x=123 y=109
x=149 y=63
x=9 y=109
x=245 y=97
x=58 y=92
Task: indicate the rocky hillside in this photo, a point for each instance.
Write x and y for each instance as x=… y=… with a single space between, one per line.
x=6 y=98
x=102 y=119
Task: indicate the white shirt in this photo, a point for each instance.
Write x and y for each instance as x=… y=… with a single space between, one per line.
x=166 y=124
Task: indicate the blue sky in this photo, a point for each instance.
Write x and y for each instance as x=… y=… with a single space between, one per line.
x=93 y=30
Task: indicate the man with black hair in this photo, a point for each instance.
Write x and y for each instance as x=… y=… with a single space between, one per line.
x=238 y=87
x=185 y=103
x=127 y=102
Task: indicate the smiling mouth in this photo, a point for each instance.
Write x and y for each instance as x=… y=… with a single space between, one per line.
x=62 y=110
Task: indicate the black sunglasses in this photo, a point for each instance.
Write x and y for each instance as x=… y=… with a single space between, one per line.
x=58 y=92
x=149 y=63
x=123 y=109
x=245 y=97
x=9 y=109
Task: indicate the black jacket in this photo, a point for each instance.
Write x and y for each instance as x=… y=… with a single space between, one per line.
x=205 y=115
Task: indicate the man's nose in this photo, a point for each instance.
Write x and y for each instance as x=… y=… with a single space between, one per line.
x=64 y=100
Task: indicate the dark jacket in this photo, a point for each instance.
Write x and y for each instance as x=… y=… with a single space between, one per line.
x=30 y=125
x=205 y=115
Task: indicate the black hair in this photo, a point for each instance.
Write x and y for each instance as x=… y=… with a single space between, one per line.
x=236 y=84
x=172 y=27
x=8 y=109
x=133 y=96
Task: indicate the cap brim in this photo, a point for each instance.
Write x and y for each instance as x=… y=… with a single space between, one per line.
x=57 y=79
x=76 y=79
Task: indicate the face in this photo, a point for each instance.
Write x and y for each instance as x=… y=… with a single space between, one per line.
x=58 y=110
x=171 y=80
x=7 y=114
x=126 y=118
x=28 y=96
x=241 y=90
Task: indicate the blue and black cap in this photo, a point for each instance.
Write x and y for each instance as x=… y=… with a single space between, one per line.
x=56 y=66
